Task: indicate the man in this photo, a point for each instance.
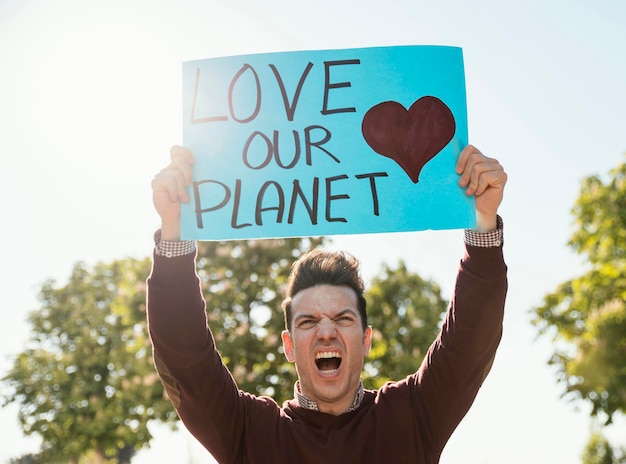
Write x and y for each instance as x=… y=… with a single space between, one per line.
x=332 y=419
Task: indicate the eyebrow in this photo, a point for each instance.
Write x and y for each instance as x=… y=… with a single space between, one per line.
x=341 y=313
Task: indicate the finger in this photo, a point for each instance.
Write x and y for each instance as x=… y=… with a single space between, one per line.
x=171 y=181
x=476 y=175
x=182 y=159
x=490 y=179
x=464 y=157
x=160 y=186
x=185 y=169
x=477 y=163
x=181 y=153
x=469 y=157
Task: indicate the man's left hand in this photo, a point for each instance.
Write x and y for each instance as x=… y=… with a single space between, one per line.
x=484 y=178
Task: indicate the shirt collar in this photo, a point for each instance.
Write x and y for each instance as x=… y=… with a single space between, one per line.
x=307 y=403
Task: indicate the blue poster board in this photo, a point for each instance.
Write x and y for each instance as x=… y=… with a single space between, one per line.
x=325 y=142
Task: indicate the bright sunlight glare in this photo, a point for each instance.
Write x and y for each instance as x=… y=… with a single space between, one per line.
x=90 y=102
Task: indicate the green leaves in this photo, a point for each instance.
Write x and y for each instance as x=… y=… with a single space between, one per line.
x=86 y=383
x=243 y=284
x=405 y=312
x=600 y=213
x=86 y=380
x=586 y=316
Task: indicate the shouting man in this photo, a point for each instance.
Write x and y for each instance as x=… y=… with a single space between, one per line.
x=332 y=418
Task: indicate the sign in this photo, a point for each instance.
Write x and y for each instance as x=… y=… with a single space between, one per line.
x=325 y=142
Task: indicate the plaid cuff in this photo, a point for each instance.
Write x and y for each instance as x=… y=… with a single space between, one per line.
x=486 y=239
x=171 y=249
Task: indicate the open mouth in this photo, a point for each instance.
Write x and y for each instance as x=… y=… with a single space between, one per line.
x=328 y=362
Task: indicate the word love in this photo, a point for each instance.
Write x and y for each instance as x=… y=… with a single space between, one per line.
x=255 y=90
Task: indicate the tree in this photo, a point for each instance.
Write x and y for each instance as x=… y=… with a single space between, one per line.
x=598 y=450
x=85 y=382
x=586 y=316
x=405 y=312
x=243 y=283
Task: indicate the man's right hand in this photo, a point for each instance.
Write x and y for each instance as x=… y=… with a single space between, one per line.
x=169 y=189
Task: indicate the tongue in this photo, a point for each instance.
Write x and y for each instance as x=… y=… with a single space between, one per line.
x=328 y=364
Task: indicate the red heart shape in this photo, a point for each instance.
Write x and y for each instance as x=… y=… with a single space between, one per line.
x=410 y=138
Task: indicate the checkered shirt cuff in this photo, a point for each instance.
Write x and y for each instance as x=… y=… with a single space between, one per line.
x=486 y=239
x=172 y=249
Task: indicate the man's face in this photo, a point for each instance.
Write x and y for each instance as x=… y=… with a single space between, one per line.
x=327 y=344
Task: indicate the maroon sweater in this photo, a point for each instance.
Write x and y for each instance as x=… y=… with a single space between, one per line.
x=403 y=422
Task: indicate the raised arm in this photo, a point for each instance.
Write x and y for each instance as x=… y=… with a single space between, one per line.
x=461 y=356
x=189 y=365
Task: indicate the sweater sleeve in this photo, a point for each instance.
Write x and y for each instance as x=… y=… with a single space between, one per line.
x=197 y=382
x=461 y=356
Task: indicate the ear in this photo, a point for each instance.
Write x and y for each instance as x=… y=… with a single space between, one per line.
x=288 y=346
x=367 y=340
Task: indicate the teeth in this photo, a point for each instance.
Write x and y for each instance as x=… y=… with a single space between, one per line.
x=328 y=355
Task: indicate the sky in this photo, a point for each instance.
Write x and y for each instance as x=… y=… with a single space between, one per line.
x=90 y=102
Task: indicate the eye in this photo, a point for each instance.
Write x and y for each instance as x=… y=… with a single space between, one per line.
x=306 y=324
x=345 y=320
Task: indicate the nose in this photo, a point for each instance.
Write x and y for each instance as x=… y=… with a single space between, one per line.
x=326 y=329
